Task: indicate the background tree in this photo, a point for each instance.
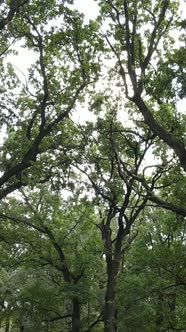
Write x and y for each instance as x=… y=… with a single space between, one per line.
x=58 y=253
x=115 y=165
x=155 y=287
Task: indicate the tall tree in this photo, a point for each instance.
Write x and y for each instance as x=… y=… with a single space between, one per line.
x=32 y=112
x=140 y=39
x=113 y=164
x=116 y=169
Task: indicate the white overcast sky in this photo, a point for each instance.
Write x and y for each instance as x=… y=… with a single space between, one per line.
x=88 y=7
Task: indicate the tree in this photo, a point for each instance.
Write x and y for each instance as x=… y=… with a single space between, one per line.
x=113 y=165
x=65 y=66
x=65 y=256
x=92 y=211
x=139 y=29
x=9 y=10
x=152 y=277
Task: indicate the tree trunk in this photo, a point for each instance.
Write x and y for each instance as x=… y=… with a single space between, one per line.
x=172 y=308
x=110 y=306
x=7 y=326
x=75 y=315
x=159 y=312
x=21 y=329
x=113 y=259
x=166 y=311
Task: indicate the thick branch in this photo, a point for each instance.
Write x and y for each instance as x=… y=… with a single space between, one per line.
x=160 y=203
x=14 y=7
x=130 y=48
x=31 y=155
x=160 y=131
x=65 y=270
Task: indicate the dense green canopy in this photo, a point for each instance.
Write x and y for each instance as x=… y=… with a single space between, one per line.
x=92 y=166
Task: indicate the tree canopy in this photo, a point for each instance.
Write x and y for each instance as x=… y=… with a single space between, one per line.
x=92 y=166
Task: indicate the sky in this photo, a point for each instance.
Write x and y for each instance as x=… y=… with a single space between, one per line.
x=88 y=7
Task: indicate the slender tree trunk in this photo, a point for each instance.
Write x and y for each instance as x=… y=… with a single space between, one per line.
x=7 y=326
x=172 y=308
x=110 y=305
x=113 y=259
x=75 y=315
x=159 y=312
x=21 y=329
x=166 y=310
x=88 y=314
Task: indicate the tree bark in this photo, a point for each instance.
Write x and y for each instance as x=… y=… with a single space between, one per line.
x=166 y=305
x=76 y=324
x=171 y=308
x=159 y=312
x=7 y=326
x=21 y=329
x=160 y=131
x=113 y=263
x=110 y=305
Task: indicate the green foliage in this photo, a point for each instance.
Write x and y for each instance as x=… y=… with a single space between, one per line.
x=154 y=269
x=40 y=286
x=83 y=202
